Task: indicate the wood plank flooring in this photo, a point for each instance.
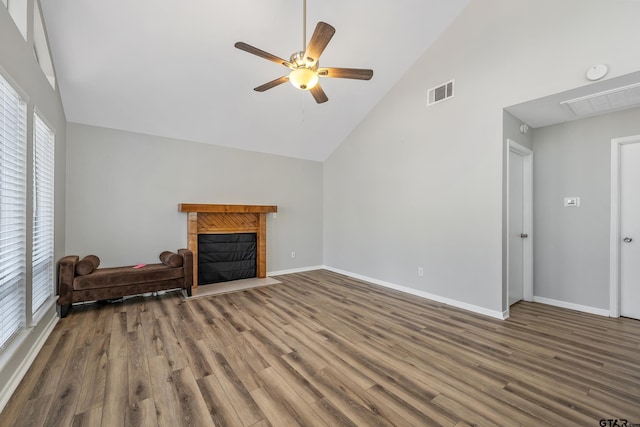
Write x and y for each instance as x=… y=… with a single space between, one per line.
x=321 y=349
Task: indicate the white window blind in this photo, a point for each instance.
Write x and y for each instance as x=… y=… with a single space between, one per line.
x=13 y=192
x=43 y=219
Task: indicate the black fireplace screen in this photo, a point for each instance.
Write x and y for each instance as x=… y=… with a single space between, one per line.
x=224 y=257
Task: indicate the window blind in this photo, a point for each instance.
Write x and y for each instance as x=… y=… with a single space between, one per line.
x=12 y=211
x=43 y=218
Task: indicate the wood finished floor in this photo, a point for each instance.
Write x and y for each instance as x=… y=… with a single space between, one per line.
x=323 y=349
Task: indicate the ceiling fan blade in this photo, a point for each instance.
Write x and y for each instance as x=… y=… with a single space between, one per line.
x=272 y=83
x=263 y=54
x=319 y=40
x=318 y=94
x=346 y=73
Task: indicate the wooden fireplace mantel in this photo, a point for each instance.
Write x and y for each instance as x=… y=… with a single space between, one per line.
x=217 y=219
x=191 y=207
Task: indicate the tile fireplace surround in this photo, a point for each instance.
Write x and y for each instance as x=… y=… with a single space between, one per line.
x=227 y=219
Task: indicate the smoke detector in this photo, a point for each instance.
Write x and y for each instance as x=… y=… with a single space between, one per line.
x=597 y=72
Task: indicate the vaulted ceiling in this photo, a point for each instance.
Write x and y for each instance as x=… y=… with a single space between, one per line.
x=169 y=67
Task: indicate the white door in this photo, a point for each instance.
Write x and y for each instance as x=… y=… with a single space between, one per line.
x=516 y=227
x=630 y=230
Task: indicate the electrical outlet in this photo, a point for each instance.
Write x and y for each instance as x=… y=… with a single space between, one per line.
x=420 y=271
x=293 y=254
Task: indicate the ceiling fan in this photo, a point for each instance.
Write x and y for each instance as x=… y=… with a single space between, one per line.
x=304 y=65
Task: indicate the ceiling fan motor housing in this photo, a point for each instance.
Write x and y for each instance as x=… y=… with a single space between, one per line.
x=299 y=60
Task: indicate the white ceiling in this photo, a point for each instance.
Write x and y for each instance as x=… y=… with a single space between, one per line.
x=169 y=68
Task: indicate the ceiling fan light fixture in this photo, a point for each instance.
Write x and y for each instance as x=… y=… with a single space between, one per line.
x=303 y=78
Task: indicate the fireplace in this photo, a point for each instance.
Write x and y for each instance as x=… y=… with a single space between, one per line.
x=217 y=220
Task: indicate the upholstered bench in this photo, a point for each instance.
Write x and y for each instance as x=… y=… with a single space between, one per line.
x=82 y=280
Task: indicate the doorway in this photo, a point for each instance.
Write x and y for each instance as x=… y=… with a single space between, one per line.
x=520 y=223
x=625 y=227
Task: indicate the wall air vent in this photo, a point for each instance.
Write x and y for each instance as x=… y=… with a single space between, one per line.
x=614 y=99
x=440 y=93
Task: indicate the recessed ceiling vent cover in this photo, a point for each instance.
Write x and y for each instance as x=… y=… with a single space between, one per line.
x=440 y=93
x=609 y=100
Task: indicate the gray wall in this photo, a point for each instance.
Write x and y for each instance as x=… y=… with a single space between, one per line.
x=571 y=251
x=416 y=186
x=124 y=188
x=18 y=65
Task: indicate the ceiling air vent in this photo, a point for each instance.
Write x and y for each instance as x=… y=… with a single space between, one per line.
x=440 y=93
x=610 y=100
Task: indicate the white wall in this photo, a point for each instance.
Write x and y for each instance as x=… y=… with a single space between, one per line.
x=18 y=65
x=124 y=188
x=416 y=186
x=571 y=254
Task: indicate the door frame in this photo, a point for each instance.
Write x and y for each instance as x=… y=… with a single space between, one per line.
x=614 y=233
x=527 y=217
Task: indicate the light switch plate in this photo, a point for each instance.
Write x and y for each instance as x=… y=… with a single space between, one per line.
x=571 y=202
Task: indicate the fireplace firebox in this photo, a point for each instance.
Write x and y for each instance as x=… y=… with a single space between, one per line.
x=226 y=257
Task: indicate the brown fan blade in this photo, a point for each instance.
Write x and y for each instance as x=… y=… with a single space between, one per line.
x=263 y=54
x=318 y=94
x=272 y=83
x=319 y=41
x=346 y=73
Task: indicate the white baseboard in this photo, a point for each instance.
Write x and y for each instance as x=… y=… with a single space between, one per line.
x=454 y=303
x=294 y=270
x=10 y=387
x=572 y=306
